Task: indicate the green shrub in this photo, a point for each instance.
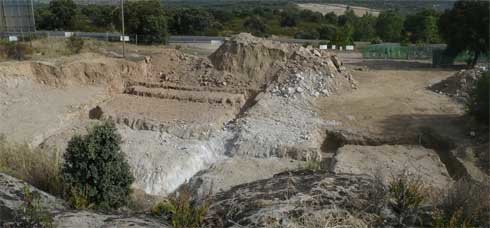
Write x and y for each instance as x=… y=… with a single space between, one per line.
x=15 y=50
x=32 y=213
x=478 y=104
x=96 y=169
x=313 y=165
x=182 y=210
x=406 y=194
x=74 y=44
x=38 y=167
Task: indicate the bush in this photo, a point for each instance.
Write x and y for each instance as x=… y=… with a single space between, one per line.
x=74 y=44
x=32 y=213
x=478 y=104
x=406 y=194
x=96 y=170
x=39 y=167
x=182 y=210
x=313 y=165
x=15 y=50
x=465 y=204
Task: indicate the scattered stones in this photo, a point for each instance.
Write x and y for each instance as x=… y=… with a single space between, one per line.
x=459 y=85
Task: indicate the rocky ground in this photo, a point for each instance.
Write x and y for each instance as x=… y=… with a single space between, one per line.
x=244 y=123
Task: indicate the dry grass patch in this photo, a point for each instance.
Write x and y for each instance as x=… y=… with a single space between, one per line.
x=38 y=167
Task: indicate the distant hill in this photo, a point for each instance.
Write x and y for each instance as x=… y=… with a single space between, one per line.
x=405 y=6
x=338 y=9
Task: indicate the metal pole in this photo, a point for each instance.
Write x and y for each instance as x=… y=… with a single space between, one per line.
x=122 y=21
x=33 y=16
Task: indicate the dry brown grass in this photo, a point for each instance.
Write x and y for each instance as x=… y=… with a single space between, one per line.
x=35 y=166
x=465 y=204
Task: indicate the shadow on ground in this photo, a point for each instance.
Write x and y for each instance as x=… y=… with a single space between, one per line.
x=390 y=64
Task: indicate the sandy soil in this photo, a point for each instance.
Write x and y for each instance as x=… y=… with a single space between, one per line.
x=30 y=112
x=338 y=9
x=166 y=110
x=393 y=102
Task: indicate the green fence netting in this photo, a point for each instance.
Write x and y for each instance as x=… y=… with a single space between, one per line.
x=397 y=51
x=422 y=52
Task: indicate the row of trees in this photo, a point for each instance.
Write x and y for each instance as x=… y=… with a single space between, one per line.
x=465 y=27
x=146 y=18
x=149 y=19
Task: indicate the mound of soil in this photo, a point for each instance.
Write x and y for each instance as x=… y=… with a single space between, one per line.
x=260 y=62
x=459 y=85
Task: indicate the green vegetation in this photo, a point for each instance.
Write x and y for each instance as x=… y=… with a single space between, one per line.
x=465 y=204
x=389 y=26
x=313 y=165
x=152 y=22
x=478 y=105
x=95 y=170
x=465 y=27
x=147 y=20
x=41 y=168
x=74 y=44
x=32 y=213
x=406 y=195
x=14 y=50
x=182 y=210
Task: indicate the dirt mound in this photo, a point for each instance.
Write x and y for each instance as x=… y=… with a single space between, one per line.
x=79 y=70
x=254 y=59
x=458 y=85
x=259 y=62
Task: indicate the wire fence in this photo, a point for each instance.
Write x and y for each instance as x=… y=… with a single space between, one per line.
x=397 y=51
x=134 y=38
x=434 y=52
x=108 y=36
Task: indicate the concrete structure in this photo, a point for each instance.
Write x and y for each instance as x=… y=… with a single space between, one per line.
x=16 y=16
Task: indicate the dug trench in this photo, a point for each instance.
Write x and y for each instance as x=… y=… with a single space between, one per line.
x=182 y=119
x=427 y=138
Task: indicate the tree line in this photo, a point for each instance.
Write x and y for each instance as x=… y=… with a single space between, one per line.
x=152 y=22
x=149 y=18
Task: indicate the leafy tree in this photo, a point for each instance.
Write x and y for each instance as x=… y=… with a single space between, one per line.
x=99 y=16
x=389 y=26
x=288 y=19
x=221 y=15
x=310 y=16
x=478 y=105
x=422 y=27
x=465 y=27
x=311 y=34
x=146 y=19
x=96 y=169
x=61 y=14
x=190 y=21
x=344 y=35
x=327 y=32
x=43 y=18
x=330 y=18
x=255 y=25
x=349 y=17
x=364 y=28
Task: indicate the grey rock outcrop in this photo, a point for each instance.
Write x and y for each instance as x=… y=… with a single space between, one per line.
x=11 y=200
x=293 y=198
